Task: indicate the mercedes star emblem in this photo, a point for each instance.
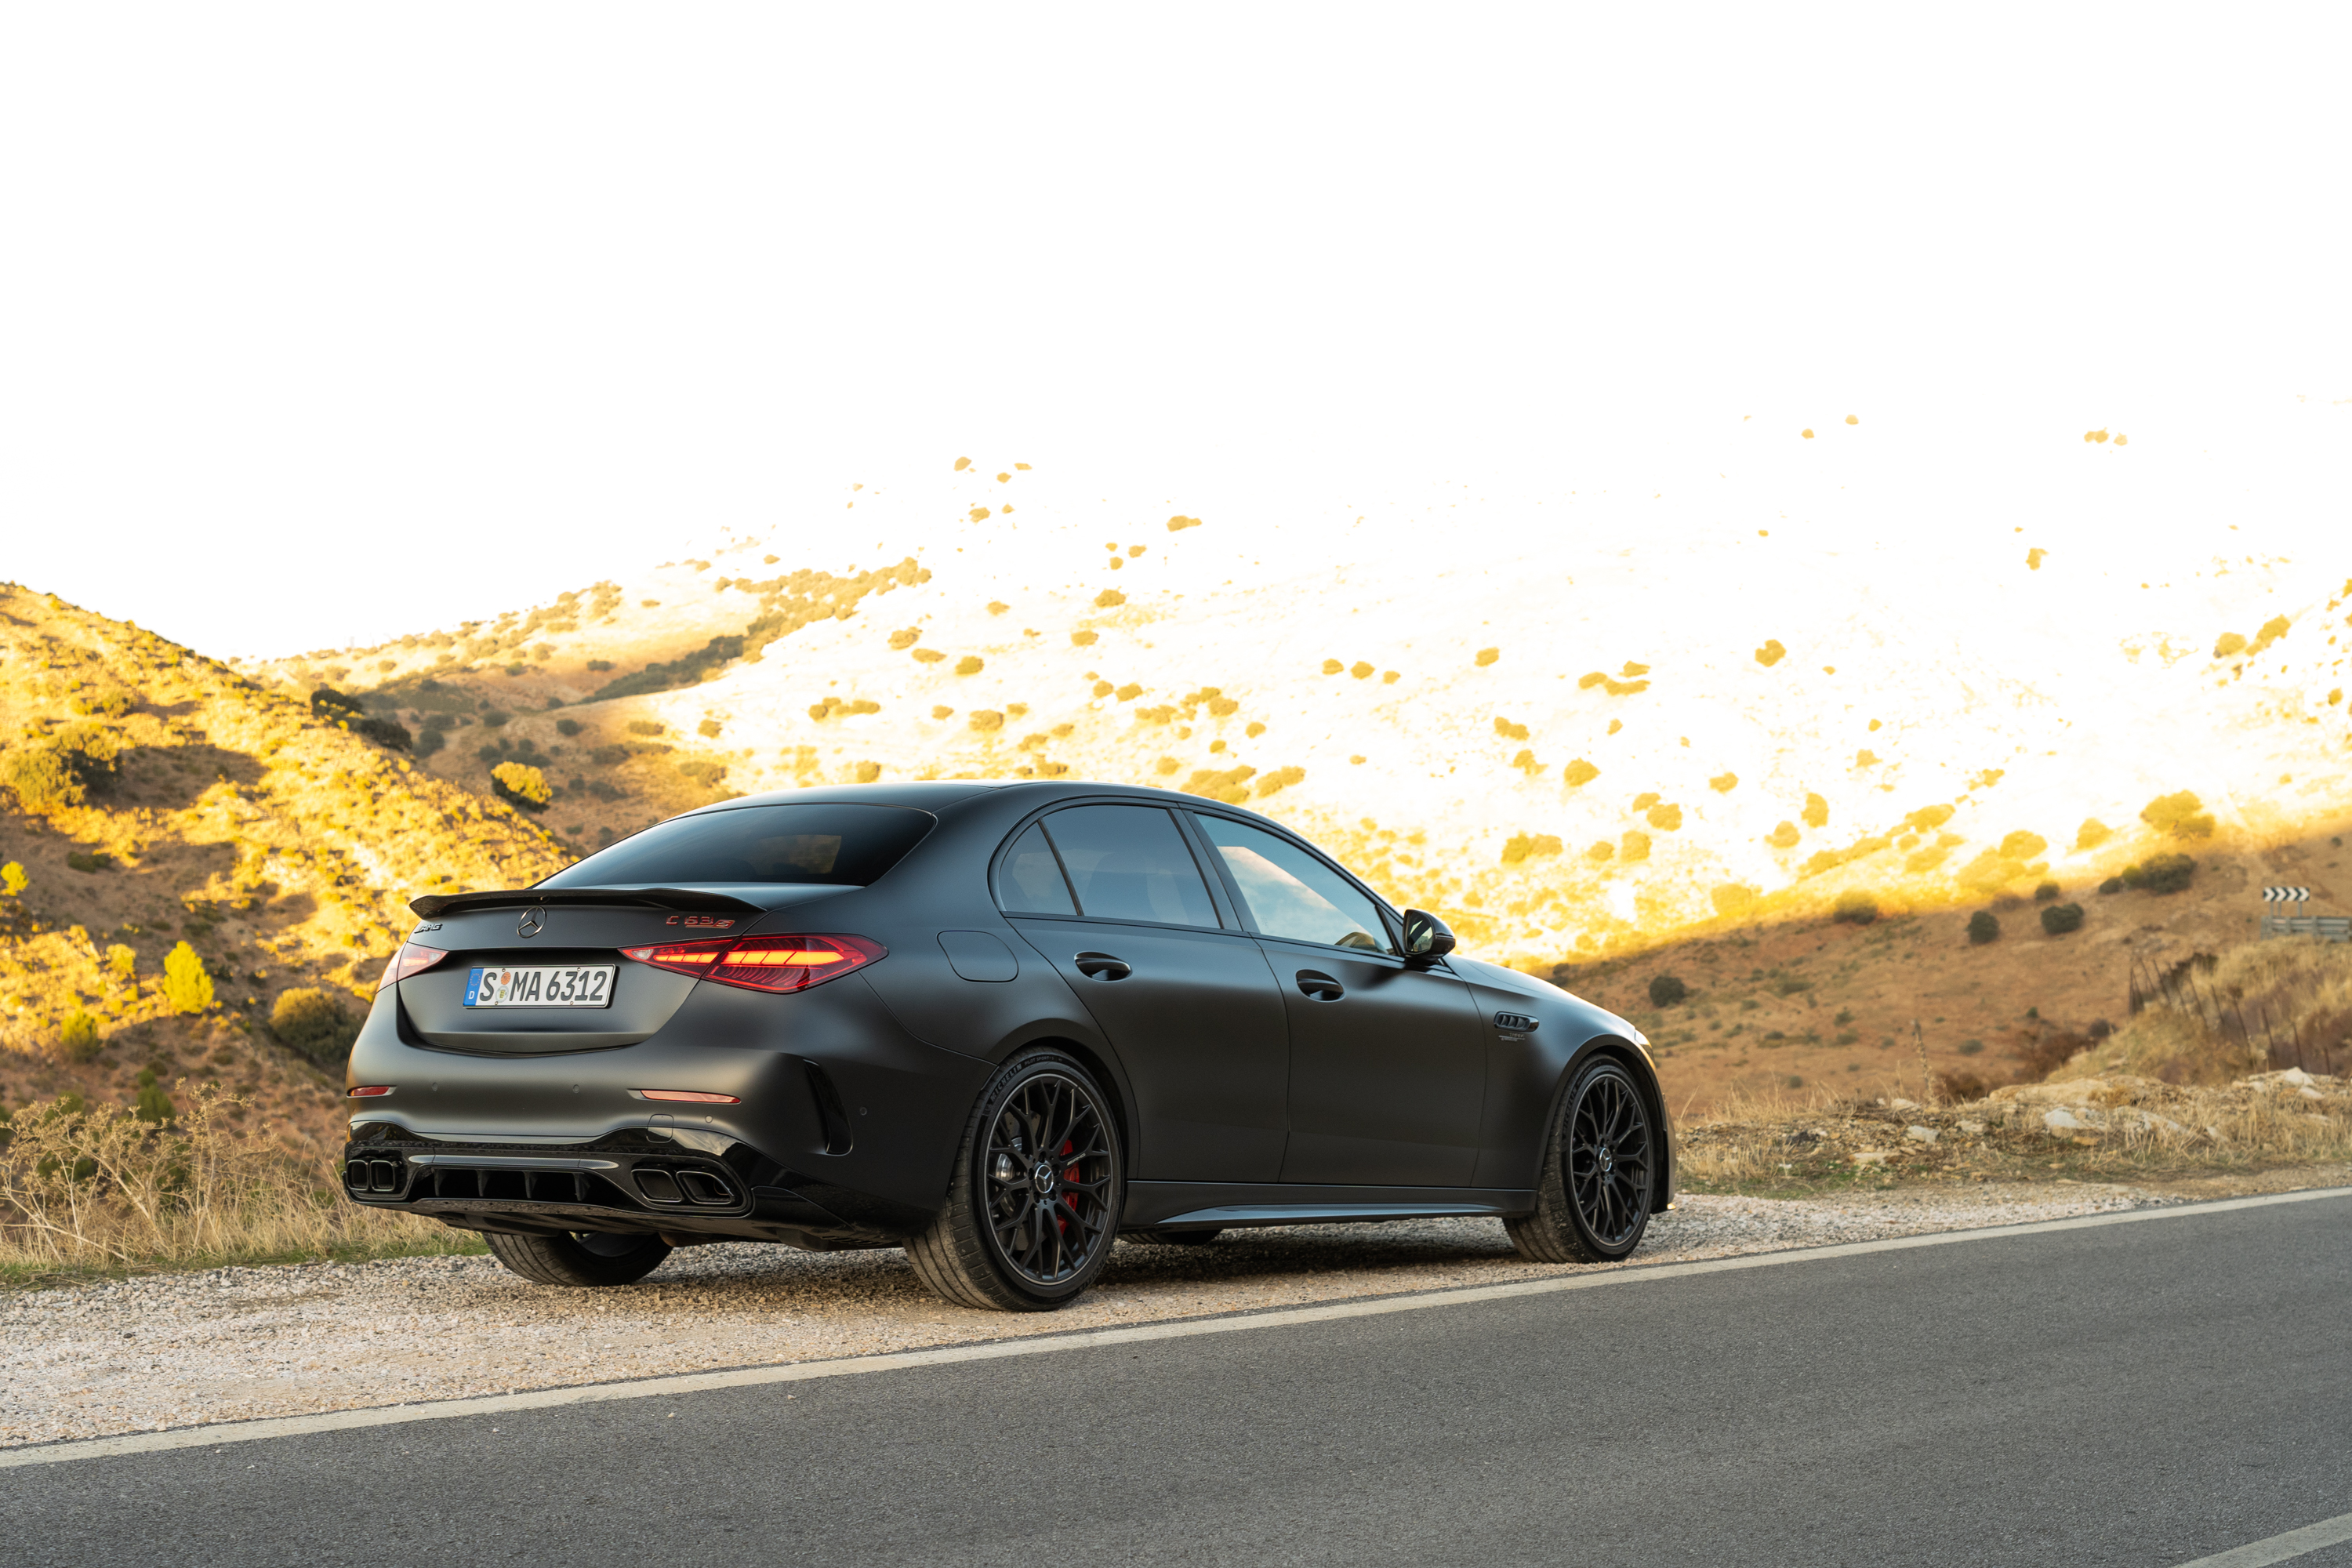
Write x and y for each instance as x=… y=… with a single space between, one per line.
x=534 y=921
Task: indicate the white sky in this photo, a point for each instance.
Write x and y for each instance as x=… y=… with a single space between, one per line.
x=323 y=323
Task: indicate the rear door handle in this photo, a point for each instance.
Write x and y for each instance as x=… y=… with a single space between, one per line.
x=1102 y=966
x=1320 y=985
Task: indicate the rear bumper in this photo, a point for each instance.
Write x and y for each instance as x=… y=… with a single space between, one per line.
x=840 y=1130
x=692 y=1186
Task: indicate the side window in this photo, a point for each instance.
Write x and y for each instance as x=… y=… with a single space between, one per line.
x=1029 y=882
x=1292 y=894
x=1129 y=863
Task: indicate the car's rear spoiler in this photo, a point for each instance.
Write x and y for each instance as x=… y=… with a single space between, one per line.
x=432 y=906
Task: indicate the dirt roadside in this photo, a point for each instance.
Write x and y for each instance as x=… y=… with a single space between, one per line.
x=178 y=1350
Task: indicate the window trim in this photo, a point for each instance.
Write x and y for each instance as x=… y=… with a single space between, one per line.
x=1393 y=920
x=1229 y=925
x=1004 y=853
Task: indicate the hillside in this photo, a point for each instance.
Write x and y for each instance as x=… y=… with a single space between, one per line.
x=1673 y=754
x=157 y=798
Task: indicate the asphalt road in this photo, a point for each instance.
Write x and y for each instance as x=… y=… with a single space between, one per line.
x=2143 y=1393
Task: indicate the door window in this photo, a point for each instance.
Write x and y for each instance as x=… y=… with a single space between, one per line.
x=1292 y=894
x=1029 y=882
x=1129 y=863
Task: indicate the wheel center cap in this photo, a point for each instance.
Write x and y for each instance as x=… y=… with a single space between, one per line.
x=1607 y=1158
x=1042 y=1178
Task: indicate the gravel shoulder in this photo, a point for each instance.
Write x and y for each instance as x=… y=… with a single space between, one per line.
x=234 y=1344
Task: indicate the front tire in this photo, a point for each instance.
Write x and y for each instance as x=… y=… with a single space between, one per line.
x=584 y=1258
x=1601 y=1166
x=1032 y=1206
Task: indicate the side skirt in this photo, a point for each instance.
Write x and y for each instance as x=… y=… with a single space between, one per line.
x=1215 y=1205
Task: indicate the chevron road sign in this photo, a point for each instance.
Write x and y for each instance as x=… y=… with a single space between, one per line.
x=2286 y=894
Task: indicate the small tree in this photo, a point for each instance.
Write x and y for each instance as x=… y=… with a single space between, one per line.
x=155 y=1105
x=1984 y=926
x=13 y=880
x=1665 y=989
x=2060 y=918
x=79 y=1036
x=121 y=963
x=186 y=987
x=523 y=785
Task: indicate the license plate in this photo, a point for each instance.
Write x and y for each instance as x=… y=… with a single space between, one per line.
x=554 y=985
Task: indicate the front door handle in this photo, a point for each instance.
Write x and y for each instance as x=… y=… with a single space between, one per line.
x=1320 y=985
x=1102 y=966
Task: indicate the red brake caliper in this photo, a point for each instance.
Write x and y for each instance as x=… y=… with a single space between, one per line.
x=1070 y=1176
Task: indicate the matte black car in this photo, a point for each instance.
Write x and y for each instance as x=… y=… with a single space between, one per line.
x=997 y=1025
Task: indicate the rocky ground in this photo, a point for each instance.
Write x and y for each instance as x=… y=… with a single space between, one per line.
x=175 y=1349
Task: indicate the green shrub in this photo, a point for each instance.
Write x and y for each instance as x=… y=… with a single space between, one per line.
x=643 y=727
x=78 y=1035
x=2045 y=892
x=707 y=729
x=600 y=665
x=89 y=860
x=1856 y=907
x=2060 y=918
x=493 y=719
x=567 y=727
x=608 y=756
x=704 y=772
x=41 y=777
x=430 y=741
x=1666 y=991
x=155 y=1105
x=2112 y=884
x=2160 y=873
x=523 y=785
x=1984 y=926
x=121 y=961
x=186 y=987
x=329 y=703
x=314 y=1023
x=1970 y=1047
x=2183 y=815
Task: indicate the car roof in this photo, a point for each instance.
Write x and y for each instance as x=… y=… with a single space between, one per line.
x=938 y=795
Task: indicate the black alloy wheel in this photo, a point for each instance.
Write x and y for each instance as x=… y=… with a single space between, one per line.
x=1599 y=1171
x=583 y=1257
x=1035 y=1205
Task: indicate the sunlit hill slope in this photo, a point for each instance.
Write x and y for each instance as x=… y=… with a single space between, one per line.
x=156 y=799
x=1578 y=752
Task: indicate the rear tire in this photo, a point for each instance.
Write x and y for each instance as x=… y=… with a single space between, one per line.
x=1600 y=1169
x=1033 y=1203
x=588 y=1258
x=1157 y=1237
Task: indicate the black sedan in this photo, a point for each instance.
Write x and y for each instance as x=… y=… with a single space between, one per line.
x=997 y=1025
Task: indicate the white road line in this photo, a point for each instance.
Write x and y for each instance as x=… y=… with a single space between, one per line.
x=997 y=1350
x=2279 y=1547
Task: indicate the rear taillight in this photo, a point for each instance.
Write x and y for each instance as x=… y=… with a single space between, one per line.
x=369 y=1092
x=763 y=963
x=412 y=959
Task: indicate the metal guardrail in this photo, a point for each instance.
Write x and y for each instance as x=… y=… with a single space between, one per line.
x=2327 y=928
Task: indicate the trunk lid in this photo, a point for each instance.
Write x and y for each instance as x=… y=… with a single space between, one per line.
x=562 y=928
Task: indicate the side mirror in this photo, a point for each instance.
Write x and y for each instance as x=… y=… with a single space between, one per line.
x=1426 y=938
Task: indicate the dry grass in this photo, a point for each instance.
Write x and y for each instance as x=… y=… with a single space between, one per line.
x=2115 y=1126
x=2210 y=1020
x=94 y=1189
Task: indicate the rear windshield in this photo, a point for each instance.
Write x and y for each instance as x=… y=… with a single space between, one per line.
x=843 y=845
